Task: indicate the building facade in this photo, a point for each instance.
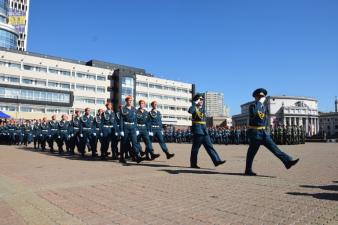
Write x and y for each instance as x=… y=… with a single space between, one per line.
x=8 y=34
x=214 y=104
x=286 y=110
x=34 y=85
x=329 y=123
x=18 y=15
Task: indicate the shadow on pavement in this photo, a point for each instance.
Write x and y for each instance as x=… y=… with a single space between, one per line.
x=175 y=172
x=321 y=196
x=332 y=196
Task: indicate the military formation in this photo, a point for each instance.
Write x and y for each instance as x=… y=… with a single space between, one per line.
x=119 y=133
x=282 y=135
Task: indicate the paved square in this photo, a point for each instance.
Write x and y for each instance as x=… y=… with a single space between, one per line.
x=39 y=188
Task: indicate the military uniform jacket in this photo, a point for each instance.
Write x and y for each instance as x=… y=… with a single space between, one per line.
x=53 y=126
x=155 y=120
x=64 y=127
x=98 y=124
x=86 y=123
x=143 y=119
x=198 y=120
x=128 y=117
x=75 y=124
x=44 y=128
x=108 y=118
x=257 y=115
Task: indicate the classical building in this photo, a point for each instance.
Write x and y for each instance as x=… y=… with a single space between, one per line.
x=329 y=123
x=34 y=85
x=286 y=110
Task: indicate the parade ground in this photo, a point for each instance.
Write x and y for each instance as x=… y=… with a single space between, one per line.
x=40 y=188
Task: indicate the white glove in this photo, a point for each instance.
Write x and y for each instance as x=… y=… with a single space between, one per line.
x=122 y=133
x=101 y=134
x=68 y=136
x=33 y=135
x=72 y=135
x=81 y=135
x=49 y=135
x=116 y=134
x=162 y=133
x=137 y=133
x=40 y=135
x=262 y=100
x=59 y=137
x=151 y=134
x=94 y=134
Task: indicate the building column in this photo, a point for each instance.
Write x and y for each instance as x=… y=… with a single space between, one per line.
x=284 y=120
x=307 y=126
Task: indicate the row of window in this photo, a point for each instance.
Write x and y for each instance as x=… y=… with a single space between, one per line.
x=24 y=94
x=161 y=87
x=86 y=100
x=50 y=83
x=55 y=71
x=162 y=97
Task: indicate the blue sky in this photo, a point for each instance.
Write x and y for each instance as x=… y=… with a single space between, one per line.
x=287 y=46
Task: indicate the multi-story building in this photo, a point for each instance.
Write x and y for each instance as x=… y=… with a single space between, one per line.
x=214 y=104
x=35 y=85
x=8 y=33
x=18 y=15
x=286 y=110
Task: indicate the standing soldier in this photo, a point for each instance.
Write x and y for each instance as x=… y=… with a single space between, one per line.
x=302 y=134
x=289 y=135
x=53 y=133
x=28 y=133
x=11 y=132
x=285 y=135
x=280 y=135
x=156 y=128
x=200 y=134
x=86 y=127
x=143 y=126
x=109 y=132
x=75 y=132
x=259 y=136
x=44 y=133
x=97 y=131
x=64 y=128
x=129 y=131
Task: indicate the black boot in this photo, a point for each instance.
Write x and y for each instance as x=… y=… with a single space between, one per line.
x=169 y=155
x=290 y=164
x=154 y=156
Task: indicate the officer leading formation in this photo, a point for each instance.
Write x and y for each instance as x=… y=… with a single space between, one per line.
x=124 y=130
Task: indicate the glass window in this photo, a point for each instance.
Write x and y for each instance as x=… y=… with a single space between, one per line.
x=81 y=75
x=102 y=78
x=53 y=84
x=65 y=72
x=41 y=69
x=65 y=85
x=91 y=76
x=27 y=81
x=100 y=89
x=80 y=87
x=25 y=109
x=28 y=67
x=54 y=71
x=14 y=65
x=100 y=101
x=90 y=88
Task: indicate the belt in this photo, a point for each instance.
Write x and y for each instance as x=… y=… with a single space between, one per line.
x=97 y=128
x=86 y=128
x=129 y=123
x=44 y=130
x=11 y=129
x=198 y=122
x=155 y=126
x=141 y=125
x=76 y=128
x=109 y=126
x=257 y=127
x=53 y=129
x=63 y=130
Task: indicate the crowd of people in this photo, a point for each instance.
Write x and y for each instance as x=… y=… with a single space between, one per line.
x=127 y=127
x=282 y=135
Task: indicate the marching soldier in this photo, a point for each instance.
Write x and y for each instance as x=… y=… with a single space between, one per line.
x=143 y=126
x=27 y=132
x=200 y=134
x=44 y=133
x=259 y=136
x=36 y=134
x=64 y=131
x=85 y=133
x=75 y=133
x=156 y=128
x=53 y=133
x=129 y=131
x=110 y=132
x=97 y=131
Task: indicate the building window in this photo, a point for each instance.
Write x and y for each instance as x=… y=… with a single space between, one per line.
x=127 y=84
x=101 y=78
x=100 y=89
x=9 y=79
x=14 y=65
x=28 y=67
x=53 y=71
x=41 y=69
x=100 y=101
x=65 y=73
